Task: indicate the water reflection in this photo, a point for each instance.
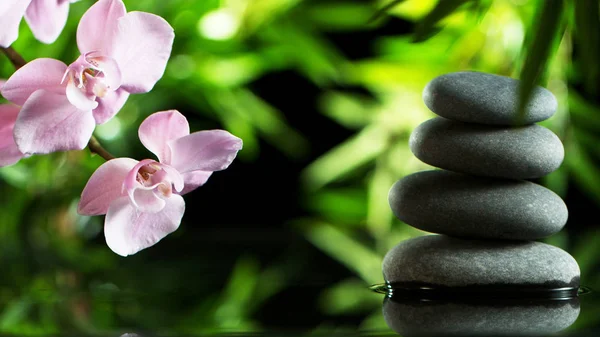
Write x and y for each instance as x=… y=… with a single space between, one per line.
x=413 y=317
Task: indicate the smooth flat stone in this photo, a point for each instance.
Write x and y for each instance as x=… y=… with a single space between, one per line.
x=525 y=152
x=461 y=205
x=446 y=261
x=476 y=97
x=540 y=318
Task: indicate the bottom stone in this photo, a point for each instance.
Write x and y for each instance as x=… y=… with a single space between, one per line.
x=439 y=260
x=418 y=318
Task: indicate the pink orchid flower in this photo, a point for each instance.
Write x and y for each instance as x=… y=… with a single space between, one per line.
x=46 y=18
x=142 y=199
x=9 y=153
x=122 y=53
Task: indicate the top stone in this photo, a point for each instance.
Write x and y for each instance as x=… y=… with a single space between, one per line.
x=475 y=97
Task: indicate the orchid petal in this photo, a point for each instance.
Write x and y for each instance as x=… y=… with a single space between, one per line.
x=9 y=153
x=127 y=231
x=109 y=105
x=109 y=68
x=105 y=186
x=47 y=18
x=193 y=180
x=145 y=200
x=80 y=99
x=173 y=176
x=11 y=13
x=43 y=73
x=159 y=128
x=211 y=150
x=48 y=122
x=142 y=197
x=142 y=49
x=98 y=27
x=131 y=181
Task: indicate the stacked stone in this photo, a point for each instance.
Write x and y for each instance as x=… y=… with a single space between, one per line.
x=484 y=211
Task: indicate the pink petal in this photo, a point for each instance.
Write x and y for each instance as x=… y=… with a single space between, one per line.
x=47 y=18
x=99 y=26
x=159 y=128
x=11 y=13
x=211 y=150
x=142 y=197
x=173 y=176
x=142 y=49
x=38 y=74
x=109 y=67
x=109 y=105
x=131 y=182
x=48 y=122
x=194 y=179
x=9 y=153
x=145 y=200
x=128 y=231
x=2 y=84
x=80 y=99
x=105 y=186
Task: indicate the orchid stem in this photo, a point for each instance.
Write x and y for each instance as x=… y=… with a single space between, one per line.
x=95 y=147
x=15 y=58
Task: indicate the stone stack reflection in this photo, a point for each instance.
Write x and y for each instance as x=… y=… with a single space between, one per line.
x=484 y=211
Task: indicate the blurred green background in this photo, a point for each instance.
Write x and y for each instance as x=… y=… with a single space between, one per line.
x=324 y=94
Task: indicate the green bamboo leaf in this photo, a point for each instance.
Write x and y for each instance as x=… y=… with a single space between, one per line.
x=247 y=113
x=346 y=157
x=271 y=123
x=349 y=297
x=259 y=13
x=351 y=111
x=584 y=171
x=322 y=64
x=379 y=215
x=344 y=206
x=14 y=313
x=481 y=7
x=339 y=16
x=238 y=293
x=583 y=112
x=560 y=240
x=588 y=141
x=544 y=42
x=557 y=181
x=426 y=28
x=339 y=245
x=586 y=252
x=375 y=321
x=587 y=35
x=380 y=12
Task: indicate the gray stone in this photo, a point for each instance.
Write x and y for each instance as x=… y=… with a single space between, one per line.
x=453 y=262
x=412 y=318
x=461 y=205
x=525 y=152
x=475 y=97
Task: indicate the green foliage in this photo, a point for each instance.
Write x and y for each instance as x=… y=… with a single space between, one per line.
x=545 y=40
x=426 y=27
